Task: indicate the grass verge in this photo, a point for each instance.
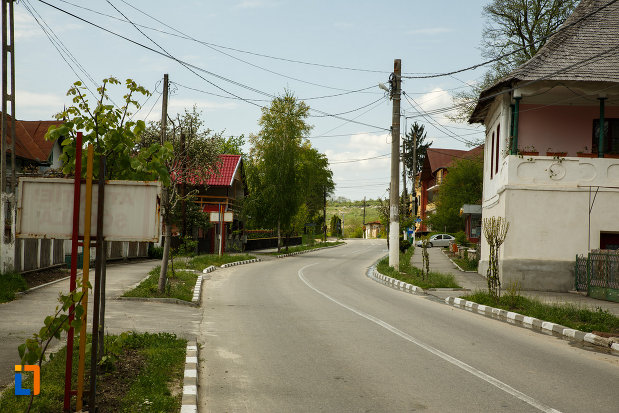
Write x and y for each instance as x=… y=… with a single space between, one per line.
x=412 y=275
x=144 y=373
x=10 y=283
x=203 y=261
x=466 y=264
x=298 y=248
x=179 y=286
x=568 y=315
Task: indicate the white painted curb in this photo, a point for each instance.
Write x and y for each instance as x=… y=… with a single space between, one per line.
x=393 y=283
x=306 y=251
x=190 y=379
x=197 y=290
x=533 y=323
x=232 y=264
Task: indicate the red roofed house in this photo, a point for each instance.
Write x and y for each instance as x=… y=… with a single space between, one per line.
x=31 y=148
x=32 y=151
x=223 y=191
x=432 y=174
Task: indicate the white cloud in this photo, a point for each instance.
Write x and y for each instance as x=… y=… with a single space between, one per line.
x=44 y=104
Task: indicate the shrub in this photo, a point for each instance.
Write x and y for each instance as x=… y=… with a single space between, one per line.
x=155 y=252
x=461 y=239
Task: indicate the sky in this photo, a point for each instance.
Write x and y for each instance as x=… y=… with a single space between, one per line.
x=245 y=52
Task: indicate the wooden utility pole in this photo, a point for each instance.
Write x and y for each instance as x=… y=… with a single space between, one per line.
x=325 y=214
x=165 y=195
x=394 y=195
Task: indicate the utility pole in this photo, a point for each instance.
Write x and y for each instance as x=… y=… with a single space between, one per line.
x=363 y=217
x=165 y=195
x=7 y=191
x=325 y=215
x=394 y=223
x=414 y=172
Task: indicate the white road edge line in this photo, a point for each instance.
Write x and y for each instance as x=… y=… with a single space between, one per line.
x=478 y=373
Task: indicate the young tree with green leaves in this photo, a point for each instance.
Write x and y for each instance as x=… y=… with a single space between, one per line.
x=463 y=184
x=275 y=187
x=112 y=132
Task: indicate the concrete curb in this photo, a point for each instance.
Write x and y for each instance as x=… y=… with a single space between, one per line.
x=197 y=291
x=209 y=269
x=306 y=251
x=393 y=283
x=190 y=379
x=232 y=264
x=533 y=323
x=454 y=263
x=160 y=300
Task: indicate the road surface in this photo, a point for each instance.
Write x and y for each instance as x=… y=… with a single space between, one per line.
x=312 y=333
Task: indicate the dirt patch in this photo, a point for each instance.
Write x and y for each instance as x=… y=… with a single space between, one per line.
x=114 y=385
x=43 y=277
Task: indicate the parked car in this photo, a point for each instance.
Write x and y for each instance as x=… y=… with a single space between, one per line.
x=438 y=240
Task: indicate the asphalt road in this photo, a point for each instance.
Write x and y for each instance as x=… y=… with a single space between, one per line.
x=312 y=333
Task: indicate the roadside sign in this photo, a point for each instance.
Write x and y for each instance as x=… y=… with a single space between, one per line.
x=45 y=209
x=228 y=217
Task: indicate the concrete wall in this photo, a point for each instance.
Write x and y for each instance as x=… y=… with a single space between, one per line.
x=547 y=204
x=33 y=254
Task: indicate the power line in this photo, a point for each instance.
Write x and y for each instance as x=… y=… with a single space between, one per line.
x=352 y=110
x=360 y=160
x=194 y=68
x=496 y=59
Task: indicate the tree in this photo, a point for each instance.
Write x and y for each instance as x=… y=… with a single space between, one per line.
x=463 y=184
x=418 y=134
x=515 y=27
x=495 y=231
x=232 y=145
x=195 y=158
x=274 y=183
x=112 y=133
x=316 y=181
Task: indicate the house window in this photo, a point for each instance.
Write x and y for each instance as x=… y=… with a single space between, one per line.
x=496 y=150
x=611 y=136
x=492 y=157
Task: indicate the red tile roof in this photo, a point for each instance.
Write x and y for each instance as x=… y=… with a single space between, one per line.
x=227 y=169
x=30 y=140
x=223 y=175
x=444 y=158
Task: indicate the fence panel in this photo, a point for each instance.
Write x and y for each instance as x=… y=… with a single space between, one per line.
x=599 y=269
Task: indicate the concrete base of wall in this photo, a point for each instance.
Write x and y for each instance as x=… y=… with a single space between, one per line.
x=535 y=275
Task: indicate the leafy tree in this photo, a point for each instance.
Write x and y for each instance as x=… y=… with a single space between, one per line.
x=316 y=180
x=232 y=145
x=275 y=191
x=112 y=133
x=462 y=185
x=417 y=131
x=516 y=27
x=195 y=158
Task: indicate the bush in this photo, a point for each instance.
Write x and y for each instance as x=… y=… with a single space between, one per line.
x=404 y=245
x=155 y=252
x=357 y=233
x=461 y=239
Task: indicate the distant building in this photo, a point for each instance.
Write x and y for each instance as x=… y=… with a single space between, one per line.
x=372 y=229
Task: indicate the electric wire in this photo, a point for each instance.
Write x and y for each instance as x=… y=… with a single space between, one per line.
x=360 y=160
x=194 y=68
x=496 y=59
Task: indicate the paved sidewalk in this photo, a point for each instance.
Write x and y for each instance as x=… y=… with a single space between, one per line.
x=439 y=262
x=20 y=318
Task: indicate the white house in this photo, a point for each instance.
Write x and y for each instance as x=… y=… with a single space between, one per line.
x=549 y=169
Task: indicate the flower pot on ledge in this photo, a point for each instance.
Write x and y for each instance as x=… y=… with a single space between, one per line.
x=528 y=153
x=611 y=155
x=586 y=155
x=557 y=154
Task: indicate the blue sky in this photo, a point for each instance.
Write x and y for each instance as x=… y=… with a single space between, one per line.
x=428 y=37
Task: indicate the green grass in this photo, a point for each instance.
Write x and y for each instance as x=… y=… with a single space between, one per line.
x=412 y=275
x=162 y=362
x=10 y=283
x=298 y=248
x=466 y=264
x=180 y=286
x=353 y=215
x=567 y=315
x=203 y=261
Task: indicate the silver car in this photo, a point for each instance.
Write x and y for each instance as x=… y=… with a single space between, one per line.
x=438 y=240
